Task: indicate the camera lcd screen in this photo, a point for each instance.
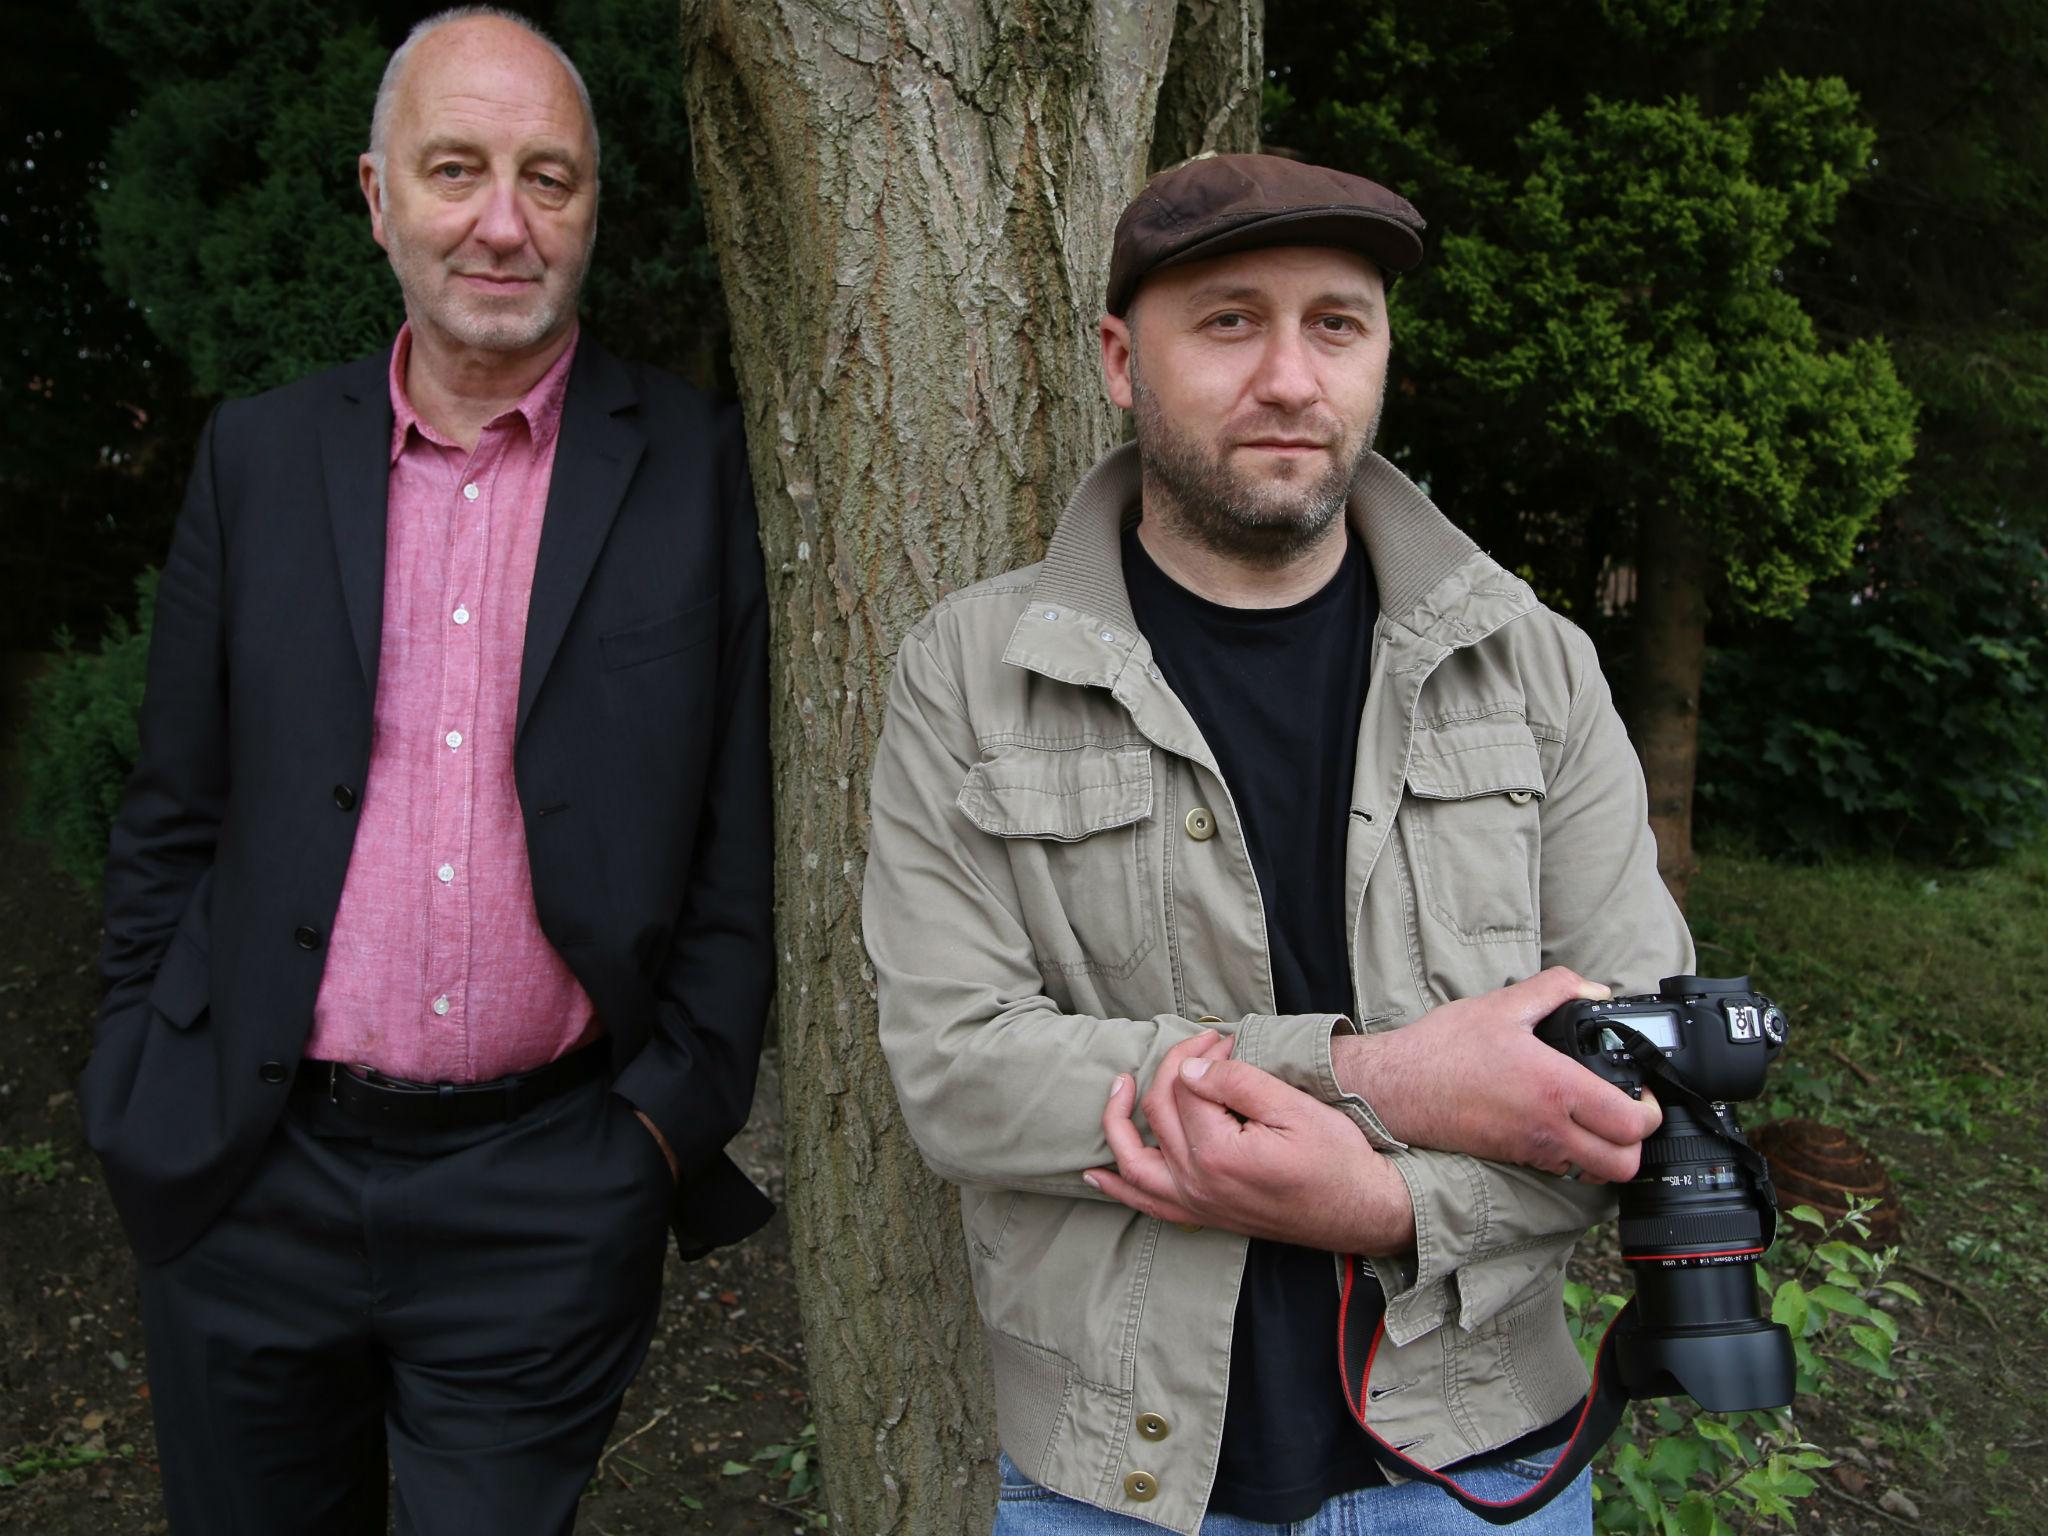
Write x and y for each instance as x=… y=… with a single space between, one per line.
x=1660 y=1029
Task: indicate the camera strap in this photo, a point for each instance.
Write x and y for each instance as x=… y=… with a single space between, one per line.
x=1601 y=1411
x=1608 y=1398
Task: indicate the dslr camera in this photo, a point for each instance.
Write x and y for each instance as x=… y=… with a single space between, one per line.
x=1701 y=1208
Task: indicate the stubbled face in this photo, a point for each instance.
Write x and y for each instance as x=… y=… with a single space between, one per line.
x=1258 y=393
x=489 y=190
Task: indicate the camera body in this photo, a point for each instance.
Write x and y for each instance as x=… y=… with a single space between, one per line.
x=1701 y=1209
x=1716 y=1034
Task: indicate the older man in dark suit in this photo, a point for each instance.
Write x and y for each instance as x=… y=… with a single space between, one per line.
x=438 y=942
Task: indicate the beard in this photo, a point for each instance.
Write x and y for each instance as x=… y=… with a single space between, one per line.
x=477 y=320
x=1261 y=520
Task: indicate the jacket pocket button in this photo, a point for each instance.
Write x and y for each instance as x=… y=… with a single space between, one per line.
x=1140 y=1486
x=1208 y=1018
x=1201 y=824
x=1520 y=797
x=1152 y=1426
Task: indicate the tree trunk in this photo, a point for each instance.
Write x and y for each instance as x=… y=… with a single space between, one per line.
x=912 y=208
x=1672 y=572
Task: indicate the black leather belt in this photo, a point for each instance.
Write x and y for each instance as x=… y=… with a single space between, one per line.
x=372 y=1097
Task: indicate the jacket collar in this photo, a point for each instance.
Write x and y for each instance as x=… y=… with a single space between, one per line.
x=1433 y=581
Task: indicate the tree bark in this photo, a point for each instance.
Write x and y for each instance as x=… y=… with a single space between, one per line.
x=1211 y=95
x=912 y=209
x=1673 y=569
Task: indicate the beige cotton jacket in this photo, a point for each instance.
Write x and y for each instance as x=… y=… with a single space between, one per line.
x=1058 y=890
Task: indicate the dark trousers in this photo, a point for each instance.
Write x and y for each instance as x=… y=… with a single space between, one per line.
x=472 y=1303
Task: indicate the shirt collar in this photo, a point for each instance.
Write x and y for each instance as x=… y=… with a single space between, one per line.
x=541 y=406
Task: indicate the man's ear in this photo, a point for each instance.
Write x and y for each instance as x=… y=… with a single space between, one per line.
x=367 y=179
x=1115 y=333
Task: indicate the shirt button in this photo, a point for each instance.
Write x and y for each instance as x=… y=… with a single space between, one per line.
x=1141 y=1486
x=1152 y=1426
x=469 y=491
x=1201 y=825
x=460 y=615
x=440 y=1005
x=445 y=873
x=306 y=938
x=454 y=740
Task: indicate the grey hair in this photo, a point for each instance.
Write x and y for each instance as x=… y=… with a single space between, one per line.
x=387 y=88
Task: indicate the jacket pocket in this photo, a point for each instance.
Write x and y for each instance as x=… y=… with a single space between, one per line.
x=986 y=1214
x=661 y=637
x=1076 y=822
x=182 y=987
x=1471 y=828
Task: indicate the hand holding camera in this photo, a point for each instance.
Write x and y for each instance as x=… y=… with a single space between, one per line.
x=1472 y=1077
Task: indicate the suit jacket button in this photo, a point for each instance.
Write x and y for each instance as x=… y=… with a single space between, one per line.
x=1141 y=1486
x=306 y=938
x=344 y=797
x=272 y=1072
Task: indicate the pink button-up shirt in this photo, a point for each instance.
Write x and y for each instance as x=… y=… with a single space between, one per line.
x=437 y=969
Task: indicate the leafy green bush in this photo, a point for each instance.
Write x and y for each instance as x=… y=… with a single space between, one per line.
x=80 y=740
x=1908 y=714
x=1684 y=1472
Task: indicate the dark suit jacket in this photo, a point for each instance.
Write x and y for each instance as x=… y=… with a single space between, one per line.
x=640 y=759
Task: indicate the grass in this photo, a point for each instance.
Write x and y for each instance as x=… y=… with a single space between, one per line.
x=1916 y=1024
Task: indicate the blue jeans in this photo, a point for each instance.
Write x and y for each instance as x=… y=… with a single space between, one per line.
x=1023 y=1508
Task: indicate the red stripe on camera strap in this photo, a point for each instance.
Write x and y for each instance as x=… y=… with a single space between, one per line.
x=1598 y=1415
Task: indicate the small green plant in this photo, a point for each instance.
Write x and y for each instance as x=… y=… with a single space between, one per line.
x=35 y=1462
x=37 y=1162
x=1689 y=1473
x=794 y=1465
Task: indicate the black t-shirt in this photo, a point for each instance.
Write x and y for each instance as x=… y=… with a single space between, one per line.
x=1277 y=694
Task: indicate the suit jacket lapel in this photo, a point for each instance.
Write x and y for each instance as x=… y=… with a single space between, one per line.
x=599 y=447
x=355 y=454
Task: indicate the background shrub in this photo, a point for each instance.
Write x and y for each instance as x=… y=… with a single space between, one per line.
x=1907 y=715
x=81 y=743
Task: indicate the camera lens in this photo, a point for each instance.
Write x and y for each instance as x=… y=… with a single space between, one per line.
x=1691 y=1226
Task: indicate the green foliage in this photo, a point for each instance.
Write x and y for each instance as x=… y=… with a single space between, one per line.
x=1906 y=714
x=36 y=1162
x=1624 y=304
x=233 y=215
x=1685 y=1472
x=80 y=742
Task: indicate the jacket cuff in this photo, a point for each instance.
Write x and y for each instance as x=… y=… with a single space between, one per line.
x=1295 y=1047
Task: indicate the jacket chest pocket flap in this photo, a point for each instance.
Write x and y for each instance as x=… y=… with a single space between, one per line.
x=1075 y=824
x=1472 y=827
x=662 y=637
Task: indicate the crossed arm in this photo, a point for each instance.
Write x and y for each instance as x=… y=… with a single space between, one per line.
x=1236 y=1148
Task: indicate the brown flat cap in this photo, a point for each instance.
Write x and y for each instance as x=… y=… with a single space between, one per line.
x=1219 y=203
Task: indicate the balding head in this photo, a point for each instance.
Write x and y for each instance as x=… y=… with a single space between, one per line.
x=472 y=29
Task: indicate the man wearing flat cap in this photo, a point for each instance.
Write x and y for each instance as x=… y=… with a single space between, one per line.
x=1201 y=853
